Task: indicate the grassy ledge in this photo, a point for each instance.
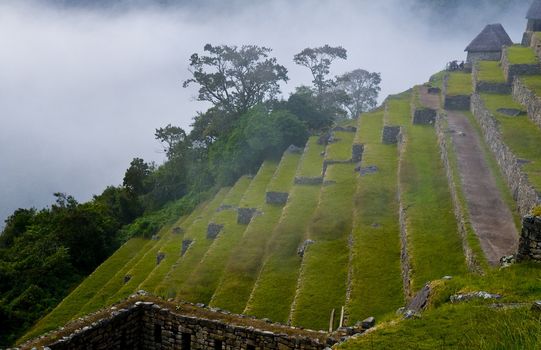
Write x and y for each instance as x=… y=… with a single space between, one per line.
x=490 y=71
x=340 y=150
x=518 y=54
x=312 y=159
x=459 y=83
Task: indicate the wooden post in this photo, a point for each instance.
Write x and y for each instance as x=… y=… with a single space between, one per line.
x=331 y=322
x=341 y=318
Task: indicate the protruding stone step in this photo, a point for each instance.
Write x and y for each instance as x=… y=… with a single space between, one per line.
x=390 y=134
x=244 y=215
x=213 y=230
x=279 y=198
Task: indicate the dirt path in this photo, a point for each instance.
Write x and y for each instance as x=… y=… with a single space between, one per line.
x=491 y=218
x=429 y=100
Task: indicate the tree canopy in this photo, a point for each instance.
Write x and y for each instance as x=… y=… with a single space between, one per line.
x=361 y=88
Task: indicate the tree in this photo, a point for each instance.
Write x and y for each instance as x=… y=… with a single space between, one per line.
x=236 y=79
x=362 y=89
x=319 y=61
x=173 y=140
x=136 y=177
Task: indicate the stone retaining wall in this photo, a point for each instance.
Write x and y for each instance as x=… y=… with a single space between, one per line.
x=213 y=230
x=510 y=71
x=529 y=99
x=279 y=198
x=357 y=152
x=529 y=247
x=305 y=180
x=487 y=86
x=454 y=102
x=535 y=44
x=244 y=215
x=523 y=192
x=148 y=325
x=390 y=134
x=424 y=116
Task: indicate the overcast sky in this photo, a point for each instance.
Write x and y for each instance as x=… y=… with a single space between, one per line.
x=82 y=89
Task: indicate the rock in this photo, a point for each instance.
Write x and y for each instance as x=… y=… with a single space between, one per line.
x=368 y=323
x=473 y=295
x=536 y=306
x=302 y=249
x=294 y=149
x=185 y=245
x=420 y=300
x=508 y=260
x=178 y=230
x=213 y=230
x=511 y=112
x=375 y=225
x=372 y=169
x=159 y=257
x=201 y=305
x=127 y=278
x=155 y=237
x=244 y=215
x=447 y=278
x=409 y=314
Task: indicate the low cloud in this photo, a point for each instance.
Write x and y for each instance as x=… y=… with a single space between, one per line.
x=83 y=88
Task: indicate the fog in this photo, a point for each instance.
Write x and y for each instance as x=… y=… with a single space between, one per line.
x=82 y=89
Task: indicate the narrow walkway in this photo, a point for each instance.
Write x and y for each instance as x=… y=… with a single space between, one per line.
x=490 y=217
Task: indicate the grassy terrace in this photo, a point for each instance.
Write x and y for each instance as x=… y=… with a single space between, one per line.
x=490 y=71
x=398 y=111
x=203 y=282
x=189 y=262
x=72 y=303
x=283 y=177
x=459 y=83
x=359 y=135
x=183 y=265
x=376 y=236
x=471 y=325
x=434 y=245
x=519 y=133
x=246 y=258
x=518 y=54
x=323 y=280
x=340 y=150
x=312 y=160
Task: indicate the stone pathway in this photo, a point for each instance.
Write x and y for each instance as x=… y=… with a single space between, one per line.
x=490 y=217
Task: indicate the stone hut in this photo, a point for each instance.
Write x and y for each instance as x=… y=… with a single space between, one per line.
x=534 y=17
x=488 y=44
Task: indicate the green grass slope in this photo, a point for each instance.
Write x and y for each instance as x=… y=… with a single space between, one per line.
x=376 y=282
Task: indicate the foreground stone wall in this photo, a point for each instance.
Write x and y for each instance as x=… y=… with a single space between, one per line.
x=529 y=99
x=148 y=325
x=530 y=239
x=523 y=192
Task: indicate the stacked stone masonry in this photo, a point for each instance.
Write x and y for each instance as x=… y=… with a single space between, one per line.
x=390 y=134
x=213 y=230
x=528 y=99
x=424 y=116
x=523 y=192
x=510 y=71
x=146 y=325
x=279 y=198
x=357 y=152
x=244 y=215
x=530 y=239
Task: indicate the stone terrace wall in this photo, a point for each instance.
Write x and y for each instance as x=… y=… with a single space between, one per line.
x=510 y=71
x=529 y=99
x=486 y=86
x=147 y=325
x=523 y=192
x=457 y=102
x=530 y=239
x=535 y=44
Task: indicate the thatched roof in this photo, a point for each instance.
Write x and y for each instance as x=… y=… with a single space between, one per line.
x=535 y=10
x=492 y=38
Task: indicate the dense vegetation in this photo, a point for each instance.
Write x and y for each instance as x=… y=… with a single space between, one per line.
x=46 y=253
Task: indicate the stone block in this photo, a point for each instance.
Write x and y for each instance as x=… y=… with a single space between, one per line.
x=304 y=180
x=213 y=230
x=185 y=245
x=390 y=134
x=457 y=103
x=357 y=152
x=244 y=215
x=424 y=116
x=159 y=257
x=279 y=198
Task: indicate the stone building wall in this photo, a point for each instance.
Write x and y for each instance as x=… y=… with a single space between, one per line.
x=148 y=325
x=523 y=192
x=483 y=56
x=529 y=247
x=529 y=99
x=510 y=71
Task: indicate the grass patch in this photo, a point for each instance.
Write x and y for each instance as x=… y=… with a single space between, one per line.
x=255 y=194
x=283 y=177
x=369 y=129
x=470 y=325
x=518 y=54
x=459 y=83
x=398 y=110
x=72 y=303
x=519 y=133
x=490 y=71
x=532 y=82
x=312 y=160
x=376 y=284
x=340 y=149
x=278 y=278
x=181 y=266
x=435 y=250
x=323 y=279
x=436 y=80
